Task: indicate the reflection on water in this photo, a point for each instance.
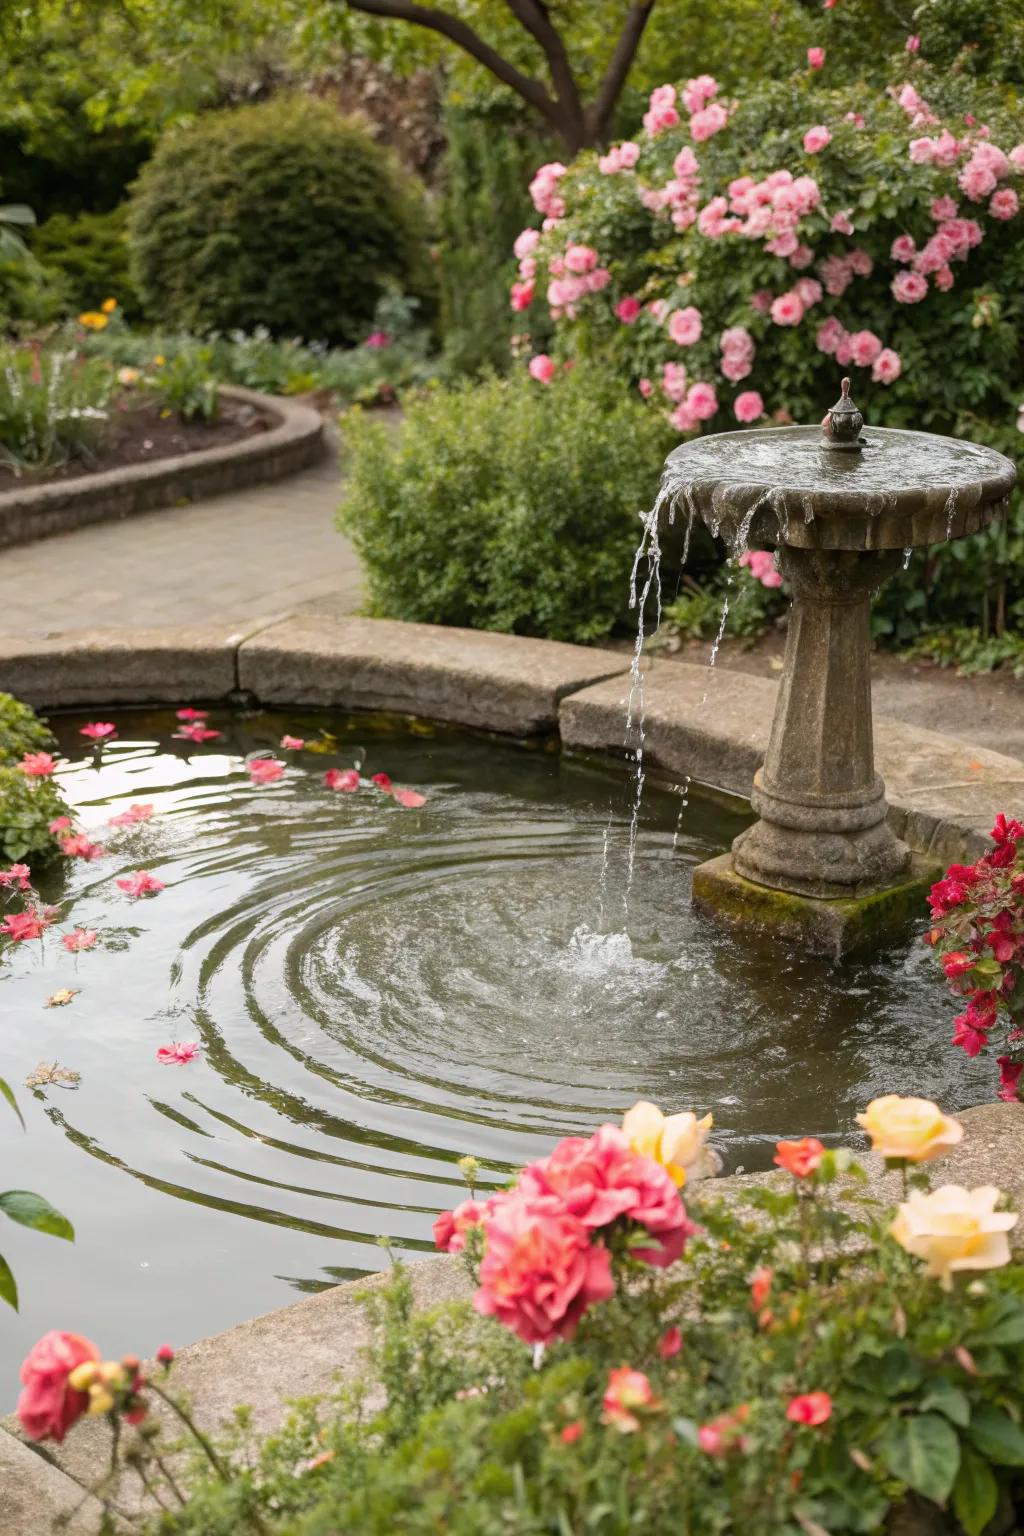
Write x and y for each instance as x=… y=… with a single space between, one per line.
x=379 y=991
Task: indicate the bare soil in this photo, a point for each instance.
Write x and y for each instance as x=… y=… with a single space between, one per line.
x=987 y=710
x=141 y=434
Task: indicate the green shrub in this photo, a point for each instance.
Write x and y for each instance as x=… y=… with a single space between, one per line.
x=282 y=215
x=186 y=384
x=27 y=806
x=88 y=254
x=21 y=730
x=508 y=505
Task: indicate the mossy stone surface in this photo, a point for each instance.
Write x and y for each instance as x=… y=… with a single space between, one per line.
x=840 y=926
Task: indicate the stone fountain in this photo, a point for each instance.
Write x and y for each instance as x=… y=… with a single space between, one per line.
x=842 y=506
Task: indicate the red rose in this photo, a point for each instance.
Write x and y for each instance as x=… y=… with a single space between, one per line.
x=48 y=1407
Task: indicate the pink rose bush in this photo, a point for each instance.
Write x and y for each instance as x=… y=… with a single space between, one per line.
x=741 y=262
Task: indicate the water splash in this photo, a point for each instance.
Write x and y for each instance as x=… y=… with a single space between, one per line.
x=648 y=549
x=907 y=554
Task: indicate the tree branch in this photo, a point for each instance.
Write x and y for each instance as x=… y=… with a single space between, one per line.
x=619 y=66
x=463 y=36
x=534 y=17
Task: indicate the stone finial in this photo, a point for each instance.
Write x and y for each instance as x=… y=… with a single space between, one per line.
x=841 y=428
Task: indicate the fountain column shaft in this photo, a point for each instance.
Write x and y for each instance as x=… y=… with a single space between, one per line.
x=823 y=829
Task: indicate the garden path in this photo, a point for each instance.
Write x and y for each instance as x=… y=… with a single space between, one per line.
x=255 y=553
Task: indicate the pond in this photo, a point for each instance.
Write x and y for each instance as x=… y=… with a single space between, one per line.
x=378 y=990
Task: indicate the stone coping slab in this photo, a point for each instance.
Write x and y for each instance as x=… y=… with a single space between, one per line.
x=465 y=676
x=294 y=440
x=314 y=1344
x=943 y=794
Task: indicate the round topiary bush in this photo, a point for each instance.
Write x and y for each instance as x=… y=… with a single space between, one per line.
x=283 y=214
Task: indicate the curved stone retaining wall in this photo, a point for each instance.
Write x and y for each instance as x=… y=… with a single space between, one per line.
x=294 y=440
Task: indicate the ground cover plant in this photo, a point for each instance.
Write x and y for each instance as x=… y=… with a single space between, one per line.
x=799 y=1358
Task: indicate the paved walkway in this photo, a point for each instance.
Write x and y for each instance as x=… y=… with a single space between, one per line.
x=252 y=554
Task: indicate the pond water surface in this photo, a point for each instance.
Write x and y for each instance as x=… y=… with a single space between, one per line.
x=378 y=991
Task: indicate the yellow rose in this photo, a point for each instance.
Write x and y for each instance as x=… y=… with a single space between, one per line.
x=128 y=376
x=83 y=1376
x=915 y=1129
x=108 y=306
x=953 y=1228
x=674 y=1141
x=93 y=320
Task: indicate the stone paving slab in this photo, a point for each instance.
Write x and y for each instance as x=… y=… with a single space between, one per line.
x=33 y=1494
x=468 y=677
x=117 y=666
x=943 y=793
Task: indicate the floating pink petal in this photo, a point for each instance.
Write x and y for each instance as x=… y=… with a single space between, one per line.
x=345 y=779
x=59 y=824
x=178 y=1052
x=99 y=730
x=132 y=816
x=265 y=770
x=80 y=847
x=142 y=883
x=18 y=875
x=79 y=939
x=197 y=732
x=410 y=798
x=191 y=714
x=31 y=924
x=383 y=781
x=293 y=743
x=37 y=765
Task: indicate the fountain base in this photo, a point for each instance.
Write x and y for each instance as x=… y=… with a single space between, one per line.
x=838 y=926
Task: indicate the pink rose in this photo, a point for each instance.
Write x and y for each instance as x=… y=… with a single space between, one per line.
x=816 y=57
x=761 y=301
x=943 y=208
x=841 y=223
x=521 y=296
x=540 y=1271
x=526 y=243
x=580 y=258
x=709 y=121
x=646 y=388
x=684 y=326
x=866 y=347
x=944 y=279
x=788 y=309
x=542 y=368
x=816 y=138
x=749 y=406
x=903 y=248
x=809 y=291
x=887 y=366
x=701 y=401
x=674 y=380
x=683 y=419
x=909 y=287
x=912 y=43
x=451 y=1227
x=829 y=335
x=1004 y=203
x=696 y=92
x=47 y=1406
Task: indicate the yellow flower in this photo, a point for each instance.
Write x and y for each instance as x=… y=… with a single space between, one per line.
x=915 y=1129
x=954 y=1228
x=100 y=1400
x=674 y=1141
x=128 y=375
x=93 y=320
x=108 y=306
x=83 y=1376
x=159 y=360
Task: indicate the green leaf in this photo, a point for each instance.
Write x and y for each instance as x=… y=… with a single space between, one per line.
x=1009 y=1330
x=997 y=1436
x=7 y=1092
x=975 y=1493
x=950 y=1401
x=923 y=1451
x=33 y=1211
x=8 y=1287
x=898 y=1372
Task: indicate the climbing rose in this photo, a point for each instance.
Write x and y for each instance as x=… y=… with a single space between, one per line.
x=706 y=123
x=816 y=57
x=809 y=1408
x=912 y=43
x=816 y=138
x=749 y=406
x=521 y=295
x=787 y=309
x=799 y=1157
x=886 y=367
x=344 y=779
x=48 y=1405
x=1004 y=203
x=866 y=348
x=540 y=1270
x=685 y=325
x=37 y=765
x=581 y=258
x=701 y=401
x=265 y=770
x=142 y=883
x=628 y=309
x=670 y=1343
x=627 y=1391
x=542 y=368
x=450 y=1227
x=909 y=288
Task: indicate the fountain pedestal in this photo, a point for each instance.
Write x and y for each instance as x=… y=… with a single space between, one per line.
x=822 y=868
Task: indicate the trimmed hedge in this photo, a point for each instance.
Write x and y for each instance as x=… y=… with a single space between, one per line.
x=284 y=215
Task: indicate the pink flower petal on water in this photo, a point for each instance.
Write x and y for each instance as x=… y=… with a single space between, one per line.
x=293 y=743
x=142 y=883
x=178 y=1052
x=410 y=798
x=383 y=781
x=79 y=939
x=197 y=732
x=133 y=815
x=18 y=875
x=59 y=824
x=99 y=730
x=265 y=770
x=345 y=779
x=19 y=927
x=191 y=714
x=79 y=846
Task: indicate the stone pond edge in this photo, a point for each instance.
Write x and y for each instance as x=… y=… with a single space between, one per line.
x=294 y=441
